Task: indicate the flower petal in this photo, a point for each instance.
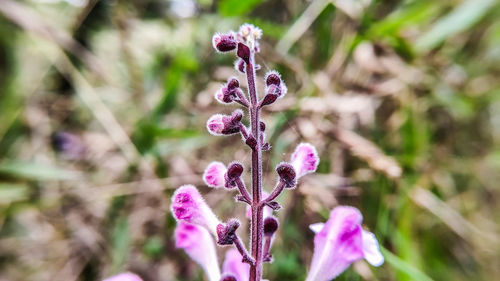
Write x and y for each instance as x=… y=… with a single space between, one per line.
x=337 y=244
x=233 y=265
x=189 y=206
x=199 y=245
x=214 y=174
x=305 y=159
x=371 y=249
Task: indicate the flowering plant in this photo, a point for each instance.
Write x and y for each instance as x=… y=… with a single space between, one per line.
x=337 y=243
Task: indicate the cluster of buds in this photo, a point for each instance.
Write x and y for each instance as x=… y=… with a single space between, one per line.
x=338 y=242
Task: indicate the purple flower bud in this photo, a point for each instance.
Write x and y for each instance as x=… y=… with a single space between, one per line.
x=273 y=78
x=287 y=174
x=239 y=65
x=262 y=126
x=305 y=159
x=269 y=99
x=234 y=266
x=340 y=242
x=127 y=276
x=243 y=52
x=227 y=233
x=219 y=124
x=251 y=141
x=224 y=42
x=224 y=95
x=233 y=83
x=270 y=225
x=214 y=174
x=197 y=242
x=236 y=116
x=234 y=171
x=188 y=205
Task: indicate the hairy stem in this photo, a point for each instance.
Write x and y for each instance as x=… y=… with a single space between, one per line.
x=276 y=191
x=256 y=224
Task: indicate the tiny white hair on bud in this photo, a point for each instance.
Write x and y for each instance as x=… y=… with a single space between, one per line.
x=215 y=120
x=215 y=41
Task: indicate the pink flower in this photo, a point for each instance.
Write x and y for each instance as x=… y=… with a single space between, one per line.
x=199 y=245
x=127 y=276
x=340 y=242
x=305 y=159
x=189 y=206
x=215 y=124
x=214 y=174
x=234 y=266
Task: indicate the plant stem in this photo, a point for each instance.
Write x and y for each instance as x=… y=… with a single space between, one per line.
x=256 y=224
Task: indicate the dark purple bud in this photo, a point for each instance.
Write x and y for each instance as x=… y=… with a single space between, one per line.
x=273 y=205
x=239 y=65
x=262 y=126
x=270 y=225
x=243 y=52
x=287 y=174
x=224 y=42
x=227 y=233
x=234 y=170
x=273 y=78
x=251 y=142
x=228 y=277
x=266 y=146
x=232 y=83
x=269 y=99
x=236 y=116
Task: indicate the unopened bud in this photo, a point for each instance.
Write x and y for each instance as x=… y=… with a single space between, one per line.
x=287 y=174
x=219 y=124
x=251 y=142
x=239 y=65
x=262 y=126
x=233 y=83
x=243 y=52
x=224 y=42
x=234 y=171
x=269 y=99
x=270 y=225
x=227 y=233
x=273 y=78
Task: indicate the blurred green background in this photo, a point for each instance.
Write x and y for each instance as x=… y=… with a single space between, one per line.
x=103 y=107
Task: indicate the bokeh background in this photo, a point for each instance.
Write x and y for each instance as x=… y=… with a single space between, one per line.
x=103 y=107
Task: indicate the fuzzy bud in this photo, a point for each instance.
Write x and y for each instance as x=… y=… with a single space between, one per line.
x=270 y=225
x=239 y=65
x=287 y=174
x=251 y=141
x=269 y=99
x=224 y=42
x=234 y=171
x=233 y=83
x=243 y=52
x=214 y=174
x=219 y=124
x=227 y=233
x=273 y=78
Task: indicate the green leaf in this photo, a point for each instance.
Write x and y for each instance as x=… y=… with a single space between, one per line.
x=459 y=19
x=35 y=171
x=230 y=8
x=121 y=243
x=403 y=266
x=12 y=192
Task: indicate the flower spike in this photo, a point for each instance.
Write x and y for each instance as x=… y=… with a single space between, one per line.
x=197 y=242
x=189 y=206
x=340 y=242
